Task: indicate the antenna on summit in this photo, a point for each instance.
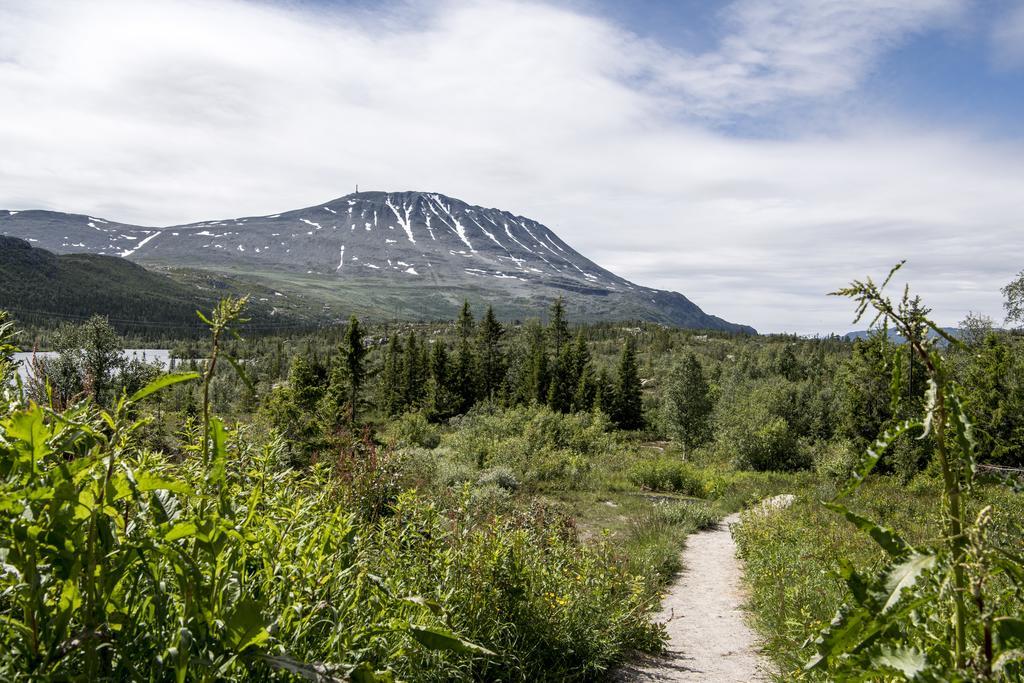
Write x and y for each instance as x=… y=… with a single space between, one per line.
x=357 y=188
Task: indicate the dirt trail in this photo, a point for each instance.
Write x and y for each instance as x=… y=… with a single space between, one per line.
x=709 y=640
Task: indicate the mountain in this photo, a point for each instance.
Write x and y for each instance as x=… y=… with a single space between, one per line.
x=401 y=254
x=40 y=286
x=897 y=338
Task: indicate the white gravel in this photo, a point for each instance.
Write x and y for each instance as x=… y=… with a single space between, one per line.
x=709 y=639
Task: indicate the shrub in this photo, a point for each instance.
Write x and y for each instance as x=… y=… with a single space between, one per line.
x=667 y=474
x=412 y=429
x=835 y=460
x=451 y=472
x=500 y=477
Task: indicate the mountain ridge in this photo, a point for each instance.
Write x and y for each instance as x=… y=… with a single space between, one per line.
x=412 y=252
x=43 y=287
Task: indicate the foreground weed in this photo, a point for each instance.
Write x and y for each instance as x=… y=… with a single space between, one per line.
x=932 y=612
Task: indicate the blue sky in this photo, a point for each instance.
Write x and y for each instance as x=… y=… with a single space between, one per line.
x=752 y=154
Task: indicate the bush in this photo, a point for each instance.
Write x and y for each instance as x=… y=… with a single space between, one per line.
x=412 y=429
x=835 y=460
x=756 y=427
x=488 y=501
x=452 y=473
x=500 y=477
x=668 y=474
x=534 y=443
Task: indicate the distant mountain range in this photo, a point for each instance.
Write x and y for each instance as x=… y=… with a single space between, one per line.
x=898 y=338
x=406 y=255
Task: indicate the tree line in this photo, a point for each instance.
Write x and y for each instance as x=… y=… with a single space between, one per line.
x=545 y=366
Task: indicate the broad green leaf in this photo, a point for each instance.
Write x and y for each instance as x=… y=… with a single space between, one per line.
x=218 y=436
x=180 y=530
x=240 y=371
x=1007 y=657
x=963 y=428
x=364 y=673
x=1010 y=631
x=439 y=639
x=904 y=575
x=148 y=482
x=162 y=382
x=907 y=661
x=28 y=426
x=853 y=580
x=931 y=399
x=846 y=631
x=246 y=627
x=420 y=601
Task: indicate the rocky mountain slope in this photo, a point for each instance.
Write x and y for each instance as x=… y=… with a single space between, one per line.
x=401 y=254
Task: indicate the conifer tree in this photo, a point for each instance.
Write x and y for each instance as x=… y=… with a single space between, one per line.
x=391 y=378
x=353 y=357
x=307 y=379
x=558 y=328
x=562 y=386
x=414 y=379
x=442 y=400
x=528 y=367
x=540 y=371
x=489 y=355
x=465 y=362
x=583 y=376
x=604 y=393
x=628 y=412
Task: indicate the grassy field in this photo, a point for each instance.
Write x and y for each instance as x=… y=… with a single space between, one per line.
x=792 y=556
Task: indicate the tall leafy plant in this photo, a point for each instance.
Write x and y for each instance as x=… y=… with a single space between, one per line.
x=929 y=613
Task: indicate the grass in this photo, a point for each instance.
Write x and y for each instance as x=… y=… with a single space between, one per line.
x=791 y=556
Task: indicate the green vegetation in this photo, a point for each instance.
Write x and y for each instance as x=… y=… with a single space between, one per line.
x=44 y=288
x=481 y=500
x=931 y=591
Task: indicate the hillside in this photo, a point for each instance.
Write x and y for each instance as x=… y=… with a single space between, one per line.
x=43 y=287
x=411 y=255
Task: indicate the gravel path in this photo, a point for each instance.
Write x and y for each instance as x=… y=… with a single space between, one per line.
x=709 y=640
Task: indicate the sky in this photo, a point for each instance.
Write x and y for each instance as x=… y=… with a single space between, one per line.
x=751 y=154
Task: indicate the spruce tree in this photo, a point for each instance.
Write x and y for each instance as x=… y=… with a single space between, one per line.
x=528 y=367
x=583 y=376
x=465 y=362
x=628 y=412
x=353 y=357
x=604 y=393
x=562 y=386
x=414 y=379
x=391 y=378
x=442 y=400
x=558 y=328
x=489 y=355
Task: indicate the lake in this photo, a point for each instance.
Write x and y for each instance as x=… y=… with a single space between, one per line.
x=161 y=356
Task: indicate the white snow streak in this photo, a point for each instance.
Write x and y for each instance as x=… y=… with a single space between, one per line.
x=406 y=223
x=457 y=228
x=129 y=252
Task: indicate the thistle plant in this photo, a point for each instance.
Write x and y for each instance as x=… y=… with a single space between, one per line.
x=929 y=613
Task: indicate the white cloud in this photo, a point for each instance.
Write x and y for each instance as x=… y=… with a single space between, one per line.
x=163 y=112
x=778 y=50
